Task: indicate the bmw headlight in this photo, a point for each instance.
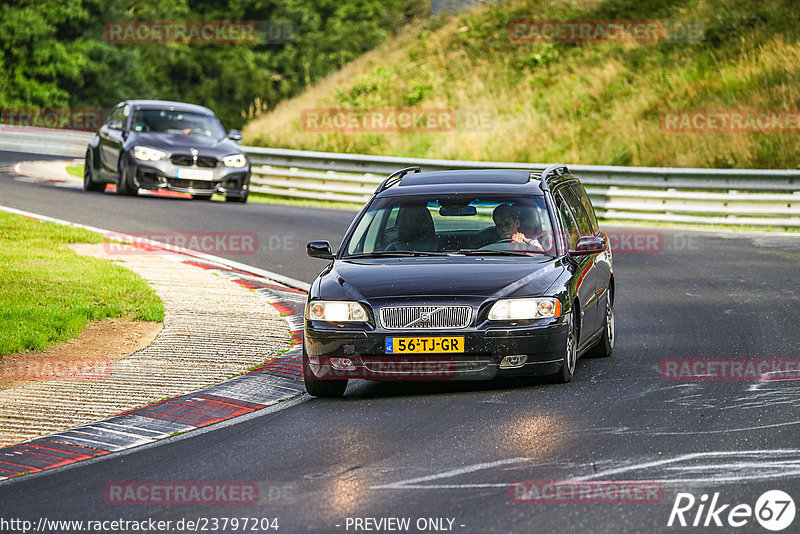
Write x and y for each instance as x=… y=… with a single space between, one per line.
x=236 y=160
x=531 y=308
x=336 y=311
x=143 y=153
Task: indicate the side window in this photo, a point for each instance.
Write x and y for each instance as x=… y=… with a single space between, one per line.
x=584 y=224
x=580 y=193
x=114 y=115
x=567 y=221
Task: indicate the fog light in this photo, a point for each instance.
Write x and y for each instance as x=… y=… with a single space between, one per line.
x=515 y=360
x=343 y=364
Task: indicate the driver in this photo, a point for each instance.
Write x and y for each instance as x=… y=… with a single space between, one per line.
x=506 y=227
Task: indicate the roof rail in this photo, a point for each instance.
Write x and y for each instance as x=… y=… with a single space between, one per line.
x=395 y=177
x=558 y=169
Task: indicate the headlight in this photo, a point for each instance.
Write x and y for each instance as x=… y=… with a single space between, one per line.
x=236 y=160
x=336 y=312
x=515 y=309
x=143 y=153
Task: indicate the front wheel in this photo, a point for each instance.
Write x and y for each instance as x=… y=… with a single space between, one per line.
x=237 y=199
x=89 y=183
x=564 y=375
x=124 y=186
x=321 y=388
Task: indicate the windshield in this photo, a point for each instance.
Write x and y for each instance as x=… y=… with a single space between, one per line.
x=453 y=224
x=177 y=122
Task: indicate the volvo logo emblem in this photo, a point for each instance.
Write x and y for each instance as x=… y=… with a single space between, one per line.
x=425 y=317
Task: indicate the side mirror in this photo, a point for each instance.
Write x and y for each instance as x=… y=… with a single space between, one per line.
x=115 y=125
x=235 y=135
x=319 y=249
x=589 y=245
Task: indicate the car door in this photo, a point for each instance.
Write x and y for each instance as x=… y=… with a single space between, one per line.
x=112 y=137
x=602 y=262
x=572 y=219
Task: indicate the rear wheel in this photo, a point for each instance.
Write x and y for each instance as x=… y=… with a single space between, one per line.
x=321 y=388
x=89 y=183
x=124 y=186
x=605 y=346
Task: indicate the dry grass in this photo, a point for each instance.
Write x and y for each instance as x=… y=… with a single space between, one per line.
x=589 y=103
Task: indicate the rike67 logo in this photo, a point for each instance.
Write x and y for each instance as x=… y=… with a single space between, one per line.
x=774 y=510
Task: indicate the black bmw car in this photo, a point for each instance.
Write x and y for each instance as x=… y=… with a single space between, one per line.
x=155 y=144
x=462 y=275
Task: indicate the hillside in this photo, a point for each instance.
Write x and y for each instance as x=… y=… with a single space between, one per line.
x=594 y=102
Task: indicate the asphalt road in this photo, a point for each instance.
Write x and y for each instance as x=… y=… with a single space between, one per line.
x=281 y=231
x=451 y=450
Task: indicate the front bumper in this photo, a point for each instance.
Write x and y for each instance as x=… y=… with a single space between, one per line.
x=543 y=344
x=163 y=174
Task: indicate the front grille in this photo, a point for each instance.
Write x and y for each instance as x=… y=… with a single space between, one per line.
x=201 y=185
x=185 y=160
x=206 y=161
x=425 y=317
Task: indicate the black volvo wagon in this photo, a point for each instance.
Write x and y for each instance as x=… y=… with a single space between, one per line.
x=462 y=275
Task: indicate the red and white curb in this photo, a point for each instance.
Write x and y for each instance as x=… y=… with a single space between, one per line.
x=278 y=380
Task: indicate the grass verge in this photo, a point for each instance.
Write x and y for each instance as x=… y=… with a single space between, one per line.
x=48 y=292
x=75 y=170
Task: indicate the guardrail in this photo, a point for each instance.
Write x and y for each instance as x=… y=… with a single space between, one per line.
x=714 y=196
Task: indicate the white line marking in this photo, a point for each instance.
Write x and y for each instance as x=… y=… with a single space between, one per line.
x=452 y=473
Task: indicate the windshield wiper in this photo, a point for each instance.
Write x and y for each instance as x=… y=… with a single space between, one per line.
x=395 y=253
x=479 y=252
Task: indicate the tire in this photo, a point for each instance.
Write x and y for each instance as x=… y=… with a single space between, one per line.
x=564 y=374
x=605 y=345
x=201 y=197
x=89 y=184
x=321 y=388
x=124 y=186
x=237 y=199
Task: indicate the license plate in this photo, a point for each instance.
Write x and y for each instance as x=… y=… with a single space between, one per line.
x=417 y=345
x=195 y=174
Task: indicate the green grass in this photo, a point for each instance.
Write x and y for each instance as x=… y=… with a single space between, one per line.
x=48 y=293
x=589 y=103
x=75 y=170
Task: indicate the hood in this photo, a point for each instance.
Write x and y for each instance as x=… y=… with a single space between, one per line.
x=184 y=143
x=369 y=279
